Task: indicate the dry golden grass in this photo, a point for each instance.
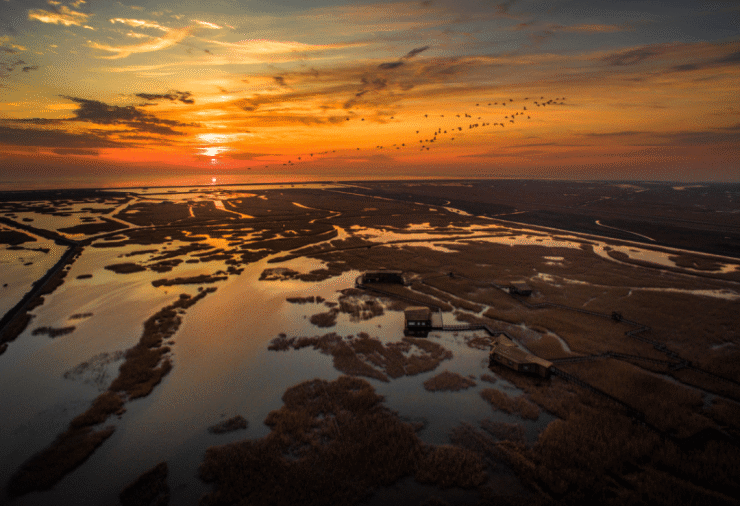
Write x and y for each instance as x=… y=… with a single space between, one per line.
x=359 y=308
x=726 y=414
x=488 y=378
x=671 y=407
x=702 y=266
x=324 y=320
x=547 y=347
x=67 y=452
x=313 y=299
x=708 y=382
x=367 y=356
x=573 y=457
x=696 y=262
x=330 y=443
x=104 y=405
x=517 y=405
x=448 y=381
x=234 y=423
x=455 y=301
x=149 y=489
x=451 y=466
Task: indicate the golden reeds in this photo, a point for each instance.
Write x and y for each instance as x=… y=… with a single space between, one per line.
x=330 y=443
x=448 y=381
x=149 y=489
x=517 y=405
x=237 y=422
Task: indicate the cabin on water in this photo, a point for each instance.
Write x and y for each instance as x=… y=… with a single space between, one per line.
x=418 y=321
x=520 y=289
x=509 y=355
x=383 y=276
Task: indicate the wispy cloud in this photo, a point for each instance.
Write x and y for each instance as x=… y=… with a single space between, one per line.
x=61 y=16
x=172 y=37
x=140 y=23
x=206 y=24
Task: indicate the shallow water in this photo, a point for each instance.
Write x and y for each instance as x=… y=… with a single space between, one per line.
x=221 y=363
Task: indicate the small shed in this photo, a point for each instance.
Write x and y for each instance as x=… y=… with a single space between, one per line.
x=418 y=321
x=384 y=276
x=519 y=360
x=520 y=289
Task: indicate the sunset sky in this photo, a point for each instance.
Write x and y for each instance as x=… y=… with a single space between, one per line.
x=97 y=92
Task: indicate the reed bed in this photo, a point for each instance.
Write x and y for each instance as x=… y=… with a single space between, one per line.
x=313 y=299
x=53 y=332
x=448 y=381
x=237 y=422
x=368 y=356
x=144 y=367
x=671 y=407
x=125 y=268
x=547 y=346
x=517 y=405
x=488 y=378
x=448 y=298
x=359 y=308
x=326 y=319
x=69 y=450
x=330 y=443
x=149 y=489
x=192 y=280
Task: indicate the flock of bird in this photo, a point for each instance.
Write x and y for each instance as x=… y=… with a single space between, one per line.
x=518 y=113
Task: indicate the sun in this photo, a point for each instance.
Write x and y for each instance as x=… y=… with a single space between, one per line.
x=213 y=180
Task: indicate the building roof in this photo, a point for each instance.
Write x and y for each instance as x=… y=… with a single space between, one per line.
x=520 y=356
x=417 y=313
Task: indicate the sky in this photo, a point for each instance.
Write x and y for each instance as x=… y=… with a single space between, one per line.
x=99 y=93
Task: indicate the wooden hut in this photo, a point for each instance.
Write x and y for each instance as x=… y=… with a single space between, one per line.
x=384 y=276
x=418 y=321
x=520 y=289
x=519 y=360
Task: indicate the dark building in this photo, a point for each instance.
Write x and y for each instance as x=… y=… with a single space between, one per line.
x=520 y=289
x=418 y=321
x=519 y=360
x=383 y=276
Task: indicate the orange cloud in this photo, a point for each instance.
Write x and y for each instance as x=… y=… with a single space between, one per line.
x=64 y=16
x=173 y=36
x=139 y=23
x=207 y=24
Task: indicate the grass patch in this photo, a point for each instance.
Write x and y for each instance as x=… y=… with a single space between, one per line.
x=67 y=452
x=367 y=356
x=671 y=407
x=313 y=299
x=324 y=320
x=517 y=405
x=52 y=332
x=125 y=268
x=330 y=443
x=232 y=424
x=448 y=381
x=149 y=489
x=488 y=378
x=192 y=280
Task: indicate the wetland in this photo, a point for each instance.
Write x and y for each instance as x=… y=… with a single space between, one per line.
x=210 y=345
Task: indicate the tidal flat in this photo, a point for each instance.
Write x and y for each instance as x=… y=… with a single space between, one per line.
x=240 y=303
